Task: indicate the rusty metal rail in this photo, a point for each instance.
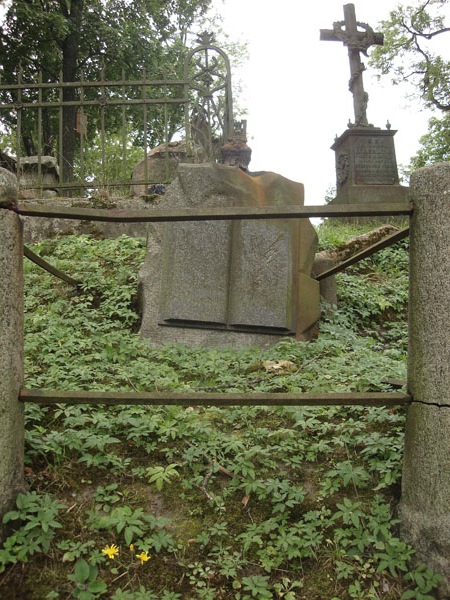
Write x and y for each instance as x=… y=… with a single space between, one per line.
x=154 y=215
x=48 y=267
x=215 y=399
x=384 y=243
x=51 y=397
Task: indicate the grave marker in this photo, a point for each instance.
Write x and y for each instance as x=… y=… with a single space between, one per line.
x=229 y=283
x=366 y=165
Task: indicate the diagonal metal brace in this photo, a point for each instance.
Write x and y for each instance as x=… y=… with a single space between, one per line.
x=50 y=268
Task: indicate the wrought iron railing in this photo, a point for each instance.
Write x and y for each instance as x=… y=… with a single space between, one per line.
x=89 y=135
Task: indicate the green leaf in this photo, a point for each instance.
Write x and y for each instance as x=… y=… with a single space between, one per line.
x=82 y=570
x=97 y=587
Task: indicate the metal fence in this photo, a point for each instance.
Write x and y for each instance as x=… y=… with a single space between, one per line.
x=87 y=135
x=49 y=397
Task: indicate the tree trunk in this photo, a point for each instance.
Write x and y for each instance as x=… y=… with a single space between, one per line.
x=70 y=51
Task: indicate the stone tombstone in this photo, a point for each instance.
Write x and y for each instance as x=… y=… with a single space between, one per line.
x=39 y=171
x=160 y=166
x=229 y=283
x=366 y=165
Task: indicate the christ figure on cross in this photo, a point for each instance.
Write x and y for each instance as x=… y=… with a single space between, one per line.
x=349 y=32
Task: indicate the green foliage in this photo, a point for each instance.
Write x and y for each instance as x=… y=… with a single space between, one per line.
x=425 y=580
x=106 y=160
x=87 y=586
x=410 y=51
x=39 y=517
x=435 y=144
x=88 y=39
x=106 y=496
x=414 y=36
x=131 y=523
x=160 y=475
x=332 y=237
x=240 y=503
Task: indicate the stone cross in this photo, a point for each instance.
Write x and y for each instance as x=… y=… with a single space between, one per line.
x=348 y=32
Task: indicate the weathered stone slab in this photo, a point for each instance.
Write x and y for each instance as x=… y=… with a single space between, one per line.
x=160 y=166
x=374 y=160
x=8 y=188
x=36 y=229
x=38 y=171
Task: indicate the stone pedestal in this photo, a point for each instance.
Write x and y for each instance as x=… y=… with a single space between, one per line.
x=366 y=167
x=229 y=283
x=425 y=502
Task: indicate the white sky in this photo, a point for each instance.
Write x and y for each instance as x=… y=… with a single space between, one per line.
x=297 y=96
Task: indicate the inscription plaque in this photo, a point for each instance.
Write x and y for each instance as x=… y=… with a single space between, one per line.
x=196 y=272
x=263 y=275
x=236 y=276
x=374 y=161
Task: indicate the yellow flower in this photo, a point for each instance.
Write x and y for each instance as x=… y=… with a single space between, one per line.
x=131 y=547
x=111 y=551
x=143 y=557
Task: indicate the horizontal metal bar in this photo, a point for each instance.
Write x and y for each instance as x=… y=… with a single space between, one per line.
x=384 y=243
x=48 y=267
x=95 y=184
x=98 y=102
x=153 y=215
x=95 y=84
x=218 y=399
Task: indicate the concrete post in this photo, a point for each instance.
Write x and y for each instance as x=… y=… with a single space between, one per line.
x=425 y=502
x=11 y=349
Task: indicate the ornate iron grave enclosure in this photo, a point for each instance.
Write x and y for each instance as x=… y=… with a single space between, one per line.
x=125 y=117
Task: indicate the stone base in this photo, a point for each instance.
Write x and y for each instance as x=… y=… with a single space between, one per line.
x=372 y=194
x=206 y=338
x=366 y=170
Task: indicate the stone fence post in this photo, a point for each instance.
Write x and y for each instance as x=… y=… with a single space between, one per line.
x=11 y=349
x=424 y=509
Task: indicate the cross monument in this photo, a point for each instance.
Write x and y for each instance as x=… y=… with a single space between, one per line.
x=349 y=33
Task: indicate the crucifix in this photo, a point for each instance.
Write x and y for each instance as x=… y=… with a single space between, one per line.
x=358 y=37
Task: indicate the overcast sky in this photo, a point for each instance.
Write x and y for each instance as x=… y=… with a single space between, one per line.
x=297 y=96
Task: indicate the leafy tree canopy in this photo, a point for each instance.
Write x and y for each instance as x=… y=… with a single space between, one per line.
x=416 y=38
x=415 y=51
x=74 y=35
x=86 y=38
x=435 y=144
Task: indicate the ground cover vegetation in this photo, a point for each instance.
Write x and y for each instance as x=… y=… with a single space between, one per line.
x=135 y=502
